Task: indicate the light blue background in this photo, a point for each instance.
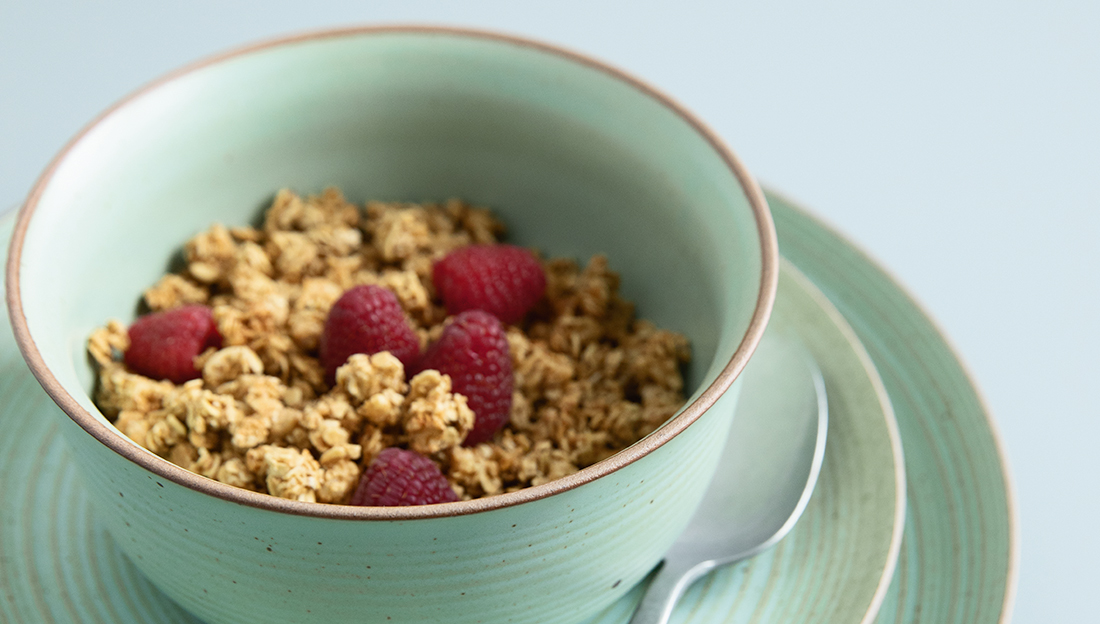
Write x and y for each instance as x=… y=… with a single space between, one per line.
x=957 y=142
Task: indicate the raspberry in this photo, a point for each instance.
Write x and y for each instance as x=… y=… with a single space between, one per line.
x=473 y=351
x=504 y=280
x=366 y=319
x=163 y=345
x=400 y=477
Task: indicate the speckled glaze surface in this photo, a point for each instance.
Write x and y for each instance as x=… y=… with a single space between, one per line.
x=960 y=555
x=549 y=141
x=59 y=564
x=62 y=565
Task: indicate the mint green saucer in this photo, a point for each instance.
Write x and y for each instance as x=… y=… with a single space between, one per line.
x=957 y=561
x=960 y=558
x=58 y=564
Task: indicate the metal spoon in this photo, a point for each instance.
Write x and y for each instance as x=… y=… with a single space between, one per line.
x=765 y=475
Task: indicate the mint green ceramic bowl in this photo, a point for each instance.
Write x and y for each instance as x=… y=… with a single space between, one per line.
x=576 y=157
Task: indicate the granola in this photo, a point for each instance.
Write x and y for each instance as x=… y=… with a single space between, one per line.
x=589 y=378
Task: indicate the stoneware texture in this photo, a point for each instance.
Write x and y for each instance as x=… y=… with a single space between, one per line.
x=60 y=565
x=551 y=141
x=959 y=557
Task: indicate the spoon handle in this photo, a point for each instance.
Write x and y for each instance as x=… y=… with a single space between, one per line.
x=668 y=584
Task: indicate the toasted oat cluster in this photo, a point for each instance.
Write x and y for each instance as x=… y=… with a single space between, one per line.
x=589 y=379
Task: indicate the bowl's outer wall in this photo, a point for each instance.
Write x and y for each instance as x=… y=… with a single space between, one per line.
x=575 y=161
x=232 y=563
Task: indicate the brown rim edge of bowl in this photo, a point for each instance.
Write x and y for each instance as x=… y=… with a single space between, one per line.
x=159 y=466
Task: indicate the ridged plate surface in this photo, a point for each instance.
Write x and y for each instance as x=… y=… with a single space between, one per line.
x=958 y=557
x=59 y=565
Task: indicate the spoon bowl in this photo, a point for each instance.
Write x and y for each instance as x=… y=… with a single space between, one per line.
x=765 y=477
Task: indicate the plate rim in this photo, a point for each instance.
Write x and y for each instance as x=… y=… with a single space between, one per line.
x=893 y=432
x=990 y=424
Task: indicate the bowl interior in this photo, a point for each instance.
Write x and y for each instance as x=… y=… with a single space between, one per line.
x=574 y=160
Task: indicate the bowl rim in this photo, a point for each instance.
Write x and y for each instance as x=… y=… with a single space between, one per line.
x=117 y=442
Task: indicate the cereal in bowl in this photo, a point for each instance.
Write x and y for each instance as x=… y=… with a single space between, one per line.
x=286 y=359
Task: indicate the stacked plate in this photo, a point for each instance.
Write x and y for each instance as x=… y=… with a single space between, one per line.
x=912 y=519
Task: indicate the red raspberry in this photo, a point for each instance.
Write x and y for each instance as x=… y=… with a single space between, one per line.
x=366 y=319
x=400 y=477
x=504 y=280
x=473 y=351
x=163 y=345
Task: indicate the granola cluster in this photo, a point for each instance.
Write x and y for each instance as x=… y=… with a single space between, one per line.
x=589 y=379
